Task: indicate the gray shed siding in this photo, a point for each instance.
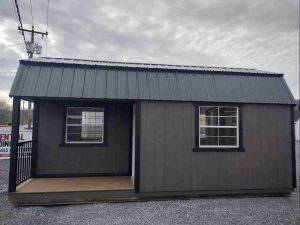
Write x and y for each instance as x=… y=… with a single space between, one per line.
x=167 y=162
x=56 y=159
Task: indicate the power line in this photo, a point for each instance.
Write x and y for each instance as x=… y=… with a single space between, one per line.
x=31 y=13
x=20 y=21
x=47 y=19
x=15 y=12
x=31 y=46
x=14 y=7
x=48 y=1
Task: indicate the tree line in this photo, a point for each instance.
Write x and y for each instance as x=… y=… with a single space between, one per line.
x=6 y=114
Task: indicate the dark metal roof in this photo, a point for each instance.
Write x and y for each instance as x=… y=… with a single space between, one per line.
x=82 y=62
x=70 y=78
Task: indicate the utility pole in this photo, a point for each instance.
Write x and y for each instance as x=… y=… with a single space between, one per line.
x=32 y=48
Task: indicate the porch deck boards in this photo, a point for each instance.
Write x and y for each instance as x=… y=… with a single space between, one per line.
x=74 y=184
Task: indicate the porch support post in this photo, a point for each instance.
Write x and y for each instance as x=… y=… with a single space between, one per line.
x=35 y=138
x=14 y=145
x=137 y=146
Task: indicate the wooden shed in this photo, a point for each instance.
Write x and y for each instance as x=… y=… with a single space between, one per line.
x=112 y=130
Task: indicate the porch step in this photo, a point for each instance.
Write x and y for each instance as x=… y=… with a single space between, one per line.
x=60 y=198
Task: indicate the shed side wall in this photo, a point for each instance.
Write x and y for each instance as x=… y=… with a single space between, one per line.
x=167 y=162
x=56 y=159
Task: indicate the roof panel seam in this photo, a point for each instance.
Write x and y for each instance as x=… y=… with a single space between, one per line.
x=83 y=84
x=49 y=79
x=33 y=91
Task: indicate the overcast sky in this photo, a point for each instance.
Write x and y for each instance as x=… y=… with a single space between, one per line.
x=254 y=34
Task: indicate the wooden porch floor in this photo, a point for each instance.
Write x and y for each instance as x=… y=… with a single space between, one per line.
x=76 y=184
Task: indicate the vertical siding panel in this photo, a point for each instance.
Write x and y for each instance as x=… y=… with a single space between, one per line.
x=132 y=85
x=209 y=86
x=244 y=160
x=43 y=81
x=89 y=84
x=286 y=155
x=194 y=86
x=54 y=82
x=183 y=81
x=100 y=86
x=122 y=85
x=22 y=81
x=78 y=83
x=31 y=80
x=173 y=89
x=153 y=87
x=247 y=85
x=165 y=162
x=203 y=89
x=143 y=84
x=237 y=83
x=112 y=84
x=281 y=134
x=19 y=76
x=271 y=149
x=159 y=156
x=163 y=86
x=261 y=148
x=66 y=82
x=219 y=81
x=205 y=171
x=169 y=150
x=147 y=179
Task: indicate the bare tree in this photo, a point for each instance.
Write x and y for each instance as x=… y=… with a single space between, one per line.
x=5 y=113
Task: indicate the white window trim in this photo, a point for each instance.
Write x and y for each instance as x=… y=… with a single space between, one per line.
x=237 y=128
x=83 y=142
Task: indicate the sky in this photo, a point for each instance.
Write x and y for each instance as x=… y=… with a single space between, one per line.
x=252 y=34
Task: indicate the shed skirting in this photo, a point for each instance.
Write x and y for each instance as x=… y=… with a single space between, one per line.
x=63 y=198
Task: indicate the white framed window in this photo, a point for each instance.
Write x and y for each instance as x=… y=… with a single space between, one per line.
x=84 y=125
x=218 y=126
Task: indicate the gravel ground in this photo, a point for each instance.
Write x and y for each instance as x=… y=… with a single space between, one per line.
x=245 y=210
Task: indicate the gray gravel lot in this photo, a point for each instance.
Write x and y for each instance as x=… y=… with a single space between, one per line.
x=246 y=210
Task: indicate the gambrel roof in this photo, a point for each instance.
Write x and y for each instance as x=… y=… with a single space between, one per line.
x=88 y=79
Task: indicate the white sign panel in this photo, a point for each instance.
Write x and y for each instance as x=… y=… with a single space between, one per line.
x=5 y=139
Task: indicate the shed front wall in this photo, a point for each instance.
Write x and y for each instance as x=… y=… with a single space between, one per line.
x=168 y=163
x=56 y=159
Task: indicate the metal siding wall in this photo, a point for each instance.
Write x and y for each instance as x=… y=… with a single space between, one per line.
x=167 y=162
x=56 y=159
